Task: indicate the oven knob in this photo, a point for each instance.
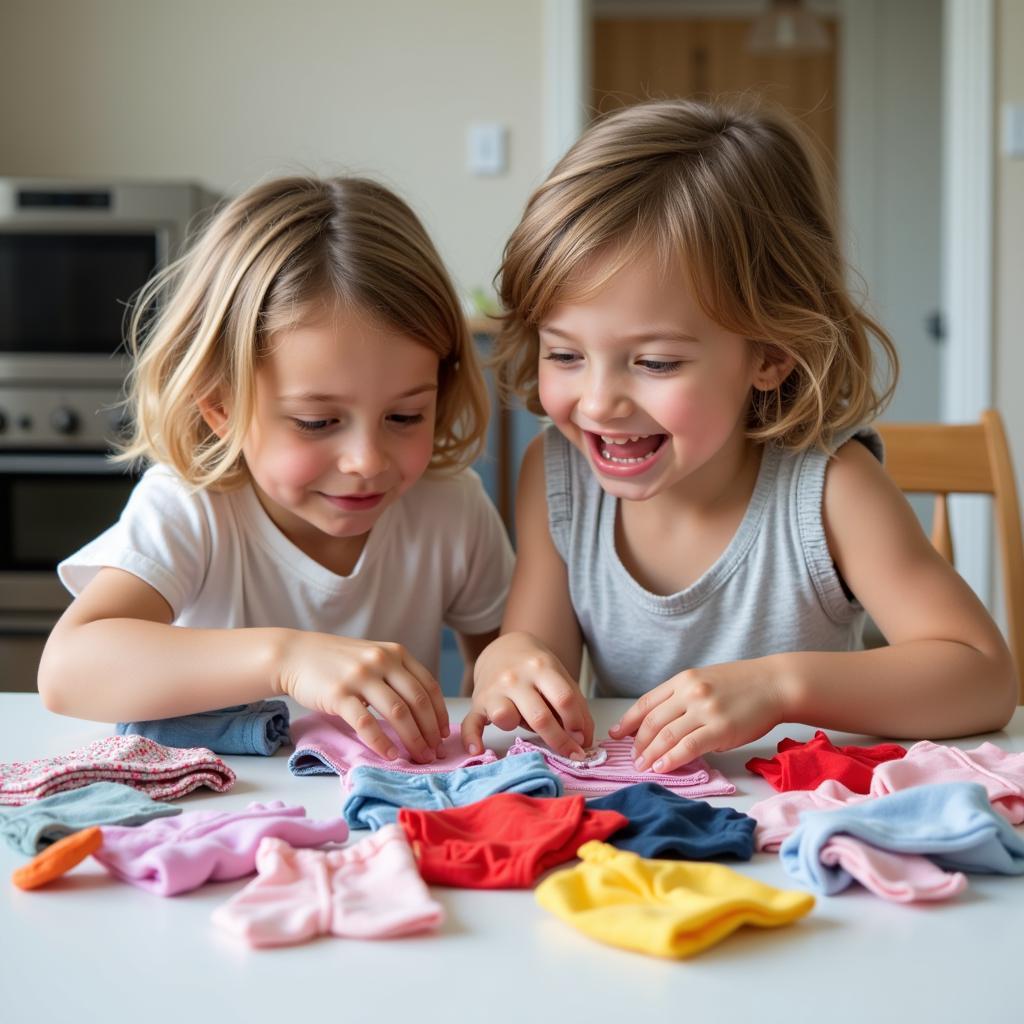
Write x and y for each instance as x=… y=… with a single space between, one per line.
x=64 y=420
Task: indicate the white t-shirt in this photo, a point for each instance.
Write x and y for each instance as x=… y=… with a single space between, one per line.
x=440 y=554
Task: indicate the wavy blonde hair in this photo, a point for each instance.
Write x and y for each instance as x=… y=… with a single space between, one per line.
x=733 y=192
x=200 y=327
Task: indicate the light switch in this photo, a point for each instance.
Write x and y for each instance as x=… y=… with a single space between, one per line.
x=1013 y=129
x=487 y=148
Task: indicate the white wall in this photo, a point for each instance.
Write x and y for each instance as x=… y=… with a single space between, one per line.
x=229 y=91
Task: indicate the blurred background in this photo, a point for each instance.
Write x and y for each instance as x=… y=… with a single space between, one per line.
x=462 y=106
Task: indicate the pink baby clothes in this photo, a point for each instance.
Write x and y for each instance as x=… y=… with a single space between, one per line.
x=326 y=745
x=1000 y=772
x=371 y=890
x=779 y=815
x=162 y=773
x=897 y=877
x=610 y=767
x=168 y=856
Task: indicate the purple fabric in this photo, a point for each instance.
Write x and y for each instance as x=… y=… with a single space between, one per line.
x=610 y=767
x=327 y=745
x=174 y=855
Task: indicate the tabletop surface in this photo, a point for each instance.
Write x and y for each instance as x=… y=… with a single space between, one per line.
x=91 y=948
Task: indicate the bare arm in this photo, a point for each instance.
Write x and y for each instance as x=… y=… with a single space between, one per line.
x=946 y=671
x=114 y=656
x=471 y=646
x=528 y=676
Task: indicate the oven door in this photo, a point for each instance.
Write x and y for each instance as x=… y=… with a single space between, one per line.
x=50 y=505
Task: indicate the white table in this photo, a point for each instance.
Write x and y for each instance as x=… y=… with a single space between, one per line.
x=90 y=948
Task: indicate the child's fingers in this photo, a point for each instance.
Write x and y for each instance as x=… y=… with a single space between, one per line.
x=359 y=716
x=433 y=690
x=628 y=724
x=569 y=705
x=539 y=717
x=695 y=744
x=472 y=732
x=657 y=719
x=416 y=695
x=390 y=704
x=669 y=737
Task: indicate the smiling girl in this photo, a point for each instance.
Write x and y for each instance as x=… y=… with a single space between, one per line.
x=308 y=395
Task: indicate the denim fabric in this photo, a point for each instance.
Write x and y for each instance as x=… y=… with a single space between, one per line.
x=35 y=826
x=376 y=794
x=663 y=825
x=952 y=824
x=258 y=728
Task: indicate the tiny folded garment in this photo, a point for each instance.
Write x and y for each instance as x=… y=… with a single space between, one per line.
x=376 y=794
x=667 y=908
x=257 y=728
x=664 y=825
x=503 y=842
x=609 y=766
x=1000 y=772
x=370 y=890
x=162 y=773
x=175 y=855
x=952 y=824
x=779 y=815
x=58 y=858
x=328 y=745
x=31 y=827
x=805 y=765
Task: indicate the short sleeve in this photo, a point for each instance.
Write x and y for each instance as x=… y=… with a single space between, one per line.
x=162 y=537
x=482 y=566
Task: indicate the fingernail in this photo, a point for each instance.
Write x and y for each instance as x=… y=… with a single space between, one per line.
x=392 y=753
x=473 y=748
x=616 y=727
x=639 y=762
x=658 y=765
x=577 y=736
x=576 y=755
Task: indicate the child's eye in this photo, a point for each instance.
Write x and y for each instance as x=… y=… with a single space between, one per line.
x=660 y=365
x=564 y=358
x=401 y=420
x=312 y=426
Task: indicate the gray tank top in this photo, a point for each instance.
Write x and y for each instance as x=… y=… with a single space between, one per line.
x=774 y=588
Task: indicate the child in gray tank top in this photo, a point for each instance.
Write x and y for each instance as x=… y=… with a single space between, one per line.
x=707 y=512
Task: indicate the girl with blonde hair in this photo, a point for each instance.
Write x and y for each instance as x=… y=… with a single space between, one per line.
x=308 y=397
x=708 y=512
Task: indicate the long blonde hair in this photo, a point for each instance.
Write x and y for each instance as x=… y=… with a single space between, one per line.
x=200 y=327
x=733 y=192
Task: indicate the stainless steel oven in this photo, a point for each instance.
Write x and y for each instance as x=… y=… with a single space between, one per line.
x=72 y=255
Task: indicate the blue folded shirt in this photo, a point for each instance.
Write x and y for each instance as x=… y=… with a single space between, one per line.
x=258 y=728
x=951 y=823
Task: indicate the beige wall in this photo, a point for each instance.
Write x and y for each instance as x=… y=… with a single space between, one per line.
x=228 y=91
x=1009 y=236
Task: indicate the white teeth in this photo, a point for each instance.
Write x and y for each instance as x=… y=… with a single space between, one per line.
x=621 y=440
x=608 y=457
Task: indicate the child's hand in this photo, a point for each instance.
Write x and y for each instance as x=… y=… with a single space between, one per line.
x=702 y=710
x=342 y=676
x=520 y=682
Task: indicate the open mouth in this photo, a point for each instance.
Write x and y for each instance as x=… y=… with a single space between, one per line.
x=625 y=455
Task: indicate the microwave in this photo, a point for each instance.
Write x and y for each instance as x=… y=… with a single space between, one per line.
x=72 y=255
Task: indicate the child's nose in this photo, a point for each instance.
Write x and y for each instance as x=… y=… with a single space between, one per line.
x=601 y=400
x=364 y=457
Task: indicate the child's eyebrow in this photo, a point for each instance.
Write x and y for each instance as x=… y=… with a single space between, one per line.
x=656 y=334
x=316 y=396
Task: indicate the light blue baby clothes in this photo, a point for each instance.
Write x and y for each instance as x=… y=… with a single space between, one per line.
x=951 y=823
x=376 y=794
x=31 y=828
x=257 y=728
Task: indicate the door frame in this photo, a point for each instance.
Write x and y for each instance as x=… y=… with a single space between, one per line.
x=968 y=74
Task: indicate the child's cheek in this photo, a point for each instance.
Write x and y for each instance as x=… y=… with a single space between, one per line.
x=298 y=465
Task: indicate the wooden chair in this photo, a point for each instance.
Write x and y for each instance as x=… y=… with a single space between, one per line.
x=973 y=458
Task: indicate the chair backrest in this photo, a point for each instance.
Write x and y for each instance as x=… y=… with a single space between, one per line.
x=972 y=458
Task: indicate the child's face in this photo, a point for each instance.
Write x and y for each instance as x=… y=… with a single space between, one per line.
x=638 y=359
x=343 y=424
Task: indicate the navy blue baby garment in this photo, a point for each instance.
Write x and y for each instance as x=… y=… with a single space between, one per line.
x=664 y=825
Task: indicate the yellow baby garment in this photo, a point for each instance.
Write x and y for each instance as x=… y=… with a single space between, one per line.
x=666 y=907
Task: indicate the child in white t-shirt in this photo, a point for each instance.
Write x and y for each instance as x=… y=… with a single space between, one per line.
x=307 y=391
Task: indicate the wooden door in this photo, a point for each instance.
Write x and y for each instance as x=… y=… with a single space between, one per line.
x=659 y=58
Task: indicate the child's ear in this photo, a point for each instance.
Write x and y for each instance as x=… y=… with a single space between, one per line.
x=214 y=412
x=772 y=366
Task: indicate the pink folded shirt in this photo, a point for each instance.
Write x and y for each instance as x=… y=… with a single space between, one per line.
x=326 y=744
x=168 y=856
x=610 y=767
x=162 y=773
x=1000 y=772
x=779 y=815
